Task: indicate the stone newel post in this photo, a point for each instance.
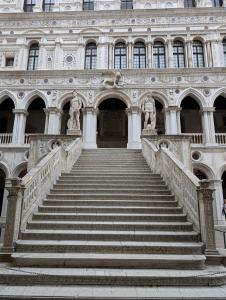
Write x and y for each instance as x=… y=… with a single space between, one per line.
x=205 y=199
x=15 y=190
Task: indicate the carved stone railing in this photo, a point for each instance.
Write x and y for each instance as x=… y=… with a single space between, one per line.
x=196 y=138
x=25 y=196
x=220 y=138
x=194 y=196
x=6 y=138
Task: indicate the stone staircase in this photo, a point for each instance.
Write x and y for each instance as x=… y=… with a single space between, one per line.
x=111 y=221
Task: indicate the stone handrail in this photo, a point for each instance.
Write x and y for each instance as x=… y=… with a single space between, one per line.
x=28 y=193
x=194 y=196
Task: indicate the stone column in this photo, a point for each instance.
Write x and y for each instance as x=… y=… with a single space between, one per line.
x=149 y=54
x=205 y=200
x=173 y=122
x=179 y=109
x=134 y=127
x=13 y=186
x=54 y=120
x=19 y=125
x=208 y=125
x=170 y=53
x=219 y=200
x=89 y=127
x=167 y=120
x=130 y=55
x=110 y=56
x=189 y=54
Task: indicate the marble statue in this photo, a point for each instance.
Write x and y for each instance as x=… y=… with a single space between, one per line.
x=74 y=112
x=149 y=110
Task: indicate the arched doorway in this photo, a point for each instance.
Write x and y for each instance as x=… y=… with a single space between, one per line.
x=2 y=188
x=191 y=121
x=65 y=117
x=112 y=124
x=6 y=116
x=36 y=117
x=160 y=118
x=220 y=114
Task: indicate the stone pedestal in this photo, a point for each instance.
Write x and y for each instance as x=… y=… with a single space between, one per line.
x=74 y=132
x=148 y=131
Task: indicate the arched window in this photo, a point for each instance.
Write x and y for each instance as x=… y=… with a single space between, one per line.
x=217 y=3
x=139 y=56
x=224 y=51
x=33 y=57
x=189 y=3
x=126 y=4
x=47 y=5
x=159 y=56
x=198 y=55
x=88 y=5
x=29 y=5
x=178 y=54
x=120 y=56
x=91 y=56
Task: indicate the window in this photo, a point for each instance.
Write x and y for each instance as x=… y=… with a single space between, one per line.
x=9 y=61
x=126 y=4
x=91 y=56
x=189 y=3
x=198 y=55
x=88 y=5
x=47 y=5
x=120 y=56
x=217 y=3
x=29 y=5
x=159 y=59
x=139 y=56
x=224 y=51
x=33 y=57
x=178 y=54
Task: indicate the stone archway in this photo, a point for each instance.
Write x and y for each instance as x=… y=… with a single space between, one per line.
x=112 y=124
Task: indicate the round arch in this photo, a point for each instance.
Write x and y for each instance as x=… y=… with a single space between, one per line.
x=112 y=95
x=205 y=169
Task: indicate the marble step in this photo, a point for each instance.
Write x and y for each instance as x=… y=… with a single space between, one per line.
x=55 y=204
x=110 y=235
x=109 y=180
x=109 y=185
x=118 y=210
x=127 y=176
x=86 y=225
x=99 y=196
x=111 y=191
x=95 y=260
x=110 y=217
x=114 y=278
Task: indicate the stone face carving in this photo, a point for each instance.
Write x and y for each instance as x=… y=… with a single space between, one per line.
x=148 y=107
x=110 y=83
x=74 y=122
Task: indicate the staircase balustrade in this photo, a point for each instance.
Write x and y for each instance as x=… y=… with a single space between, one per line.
x=25 y=195
x=194 y=196
x=220 y=138
x=6 y=138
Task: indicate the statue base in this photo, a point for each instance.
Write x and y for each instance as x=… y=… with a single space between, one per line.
x=74 y=132
x=149 y=131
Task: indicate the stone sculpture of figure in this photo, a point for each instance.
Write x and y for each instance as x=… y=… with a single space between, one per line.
x=110 y=83
x=149 y=110
x=74 y=112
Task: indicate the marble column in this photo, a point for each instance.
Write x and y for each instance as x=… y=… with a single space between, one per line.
x=189 y=54
x=179 y=109
x=134 y=127
x=149 y=54
x=90 y=128
x=173 y=121
x=208 y=125
x=19 y=125
x=53 y=120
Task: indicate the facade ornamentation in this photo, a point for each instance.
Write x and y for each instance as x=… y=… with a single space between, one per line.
x=112 y=83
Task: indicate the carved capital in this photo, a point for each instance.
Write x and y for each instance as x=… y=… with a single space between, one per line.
x=207 y=109
x=89 y=109
x=20 y=111
x=134 y=110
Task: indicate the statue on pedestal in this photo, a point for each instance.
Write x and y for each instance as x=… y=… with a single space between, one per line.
x=74 y=112
x=149 y=109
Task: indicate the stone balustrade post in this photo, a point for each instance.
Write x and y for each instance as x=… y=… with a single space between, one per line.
x=13 y=215
x=205 y=200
